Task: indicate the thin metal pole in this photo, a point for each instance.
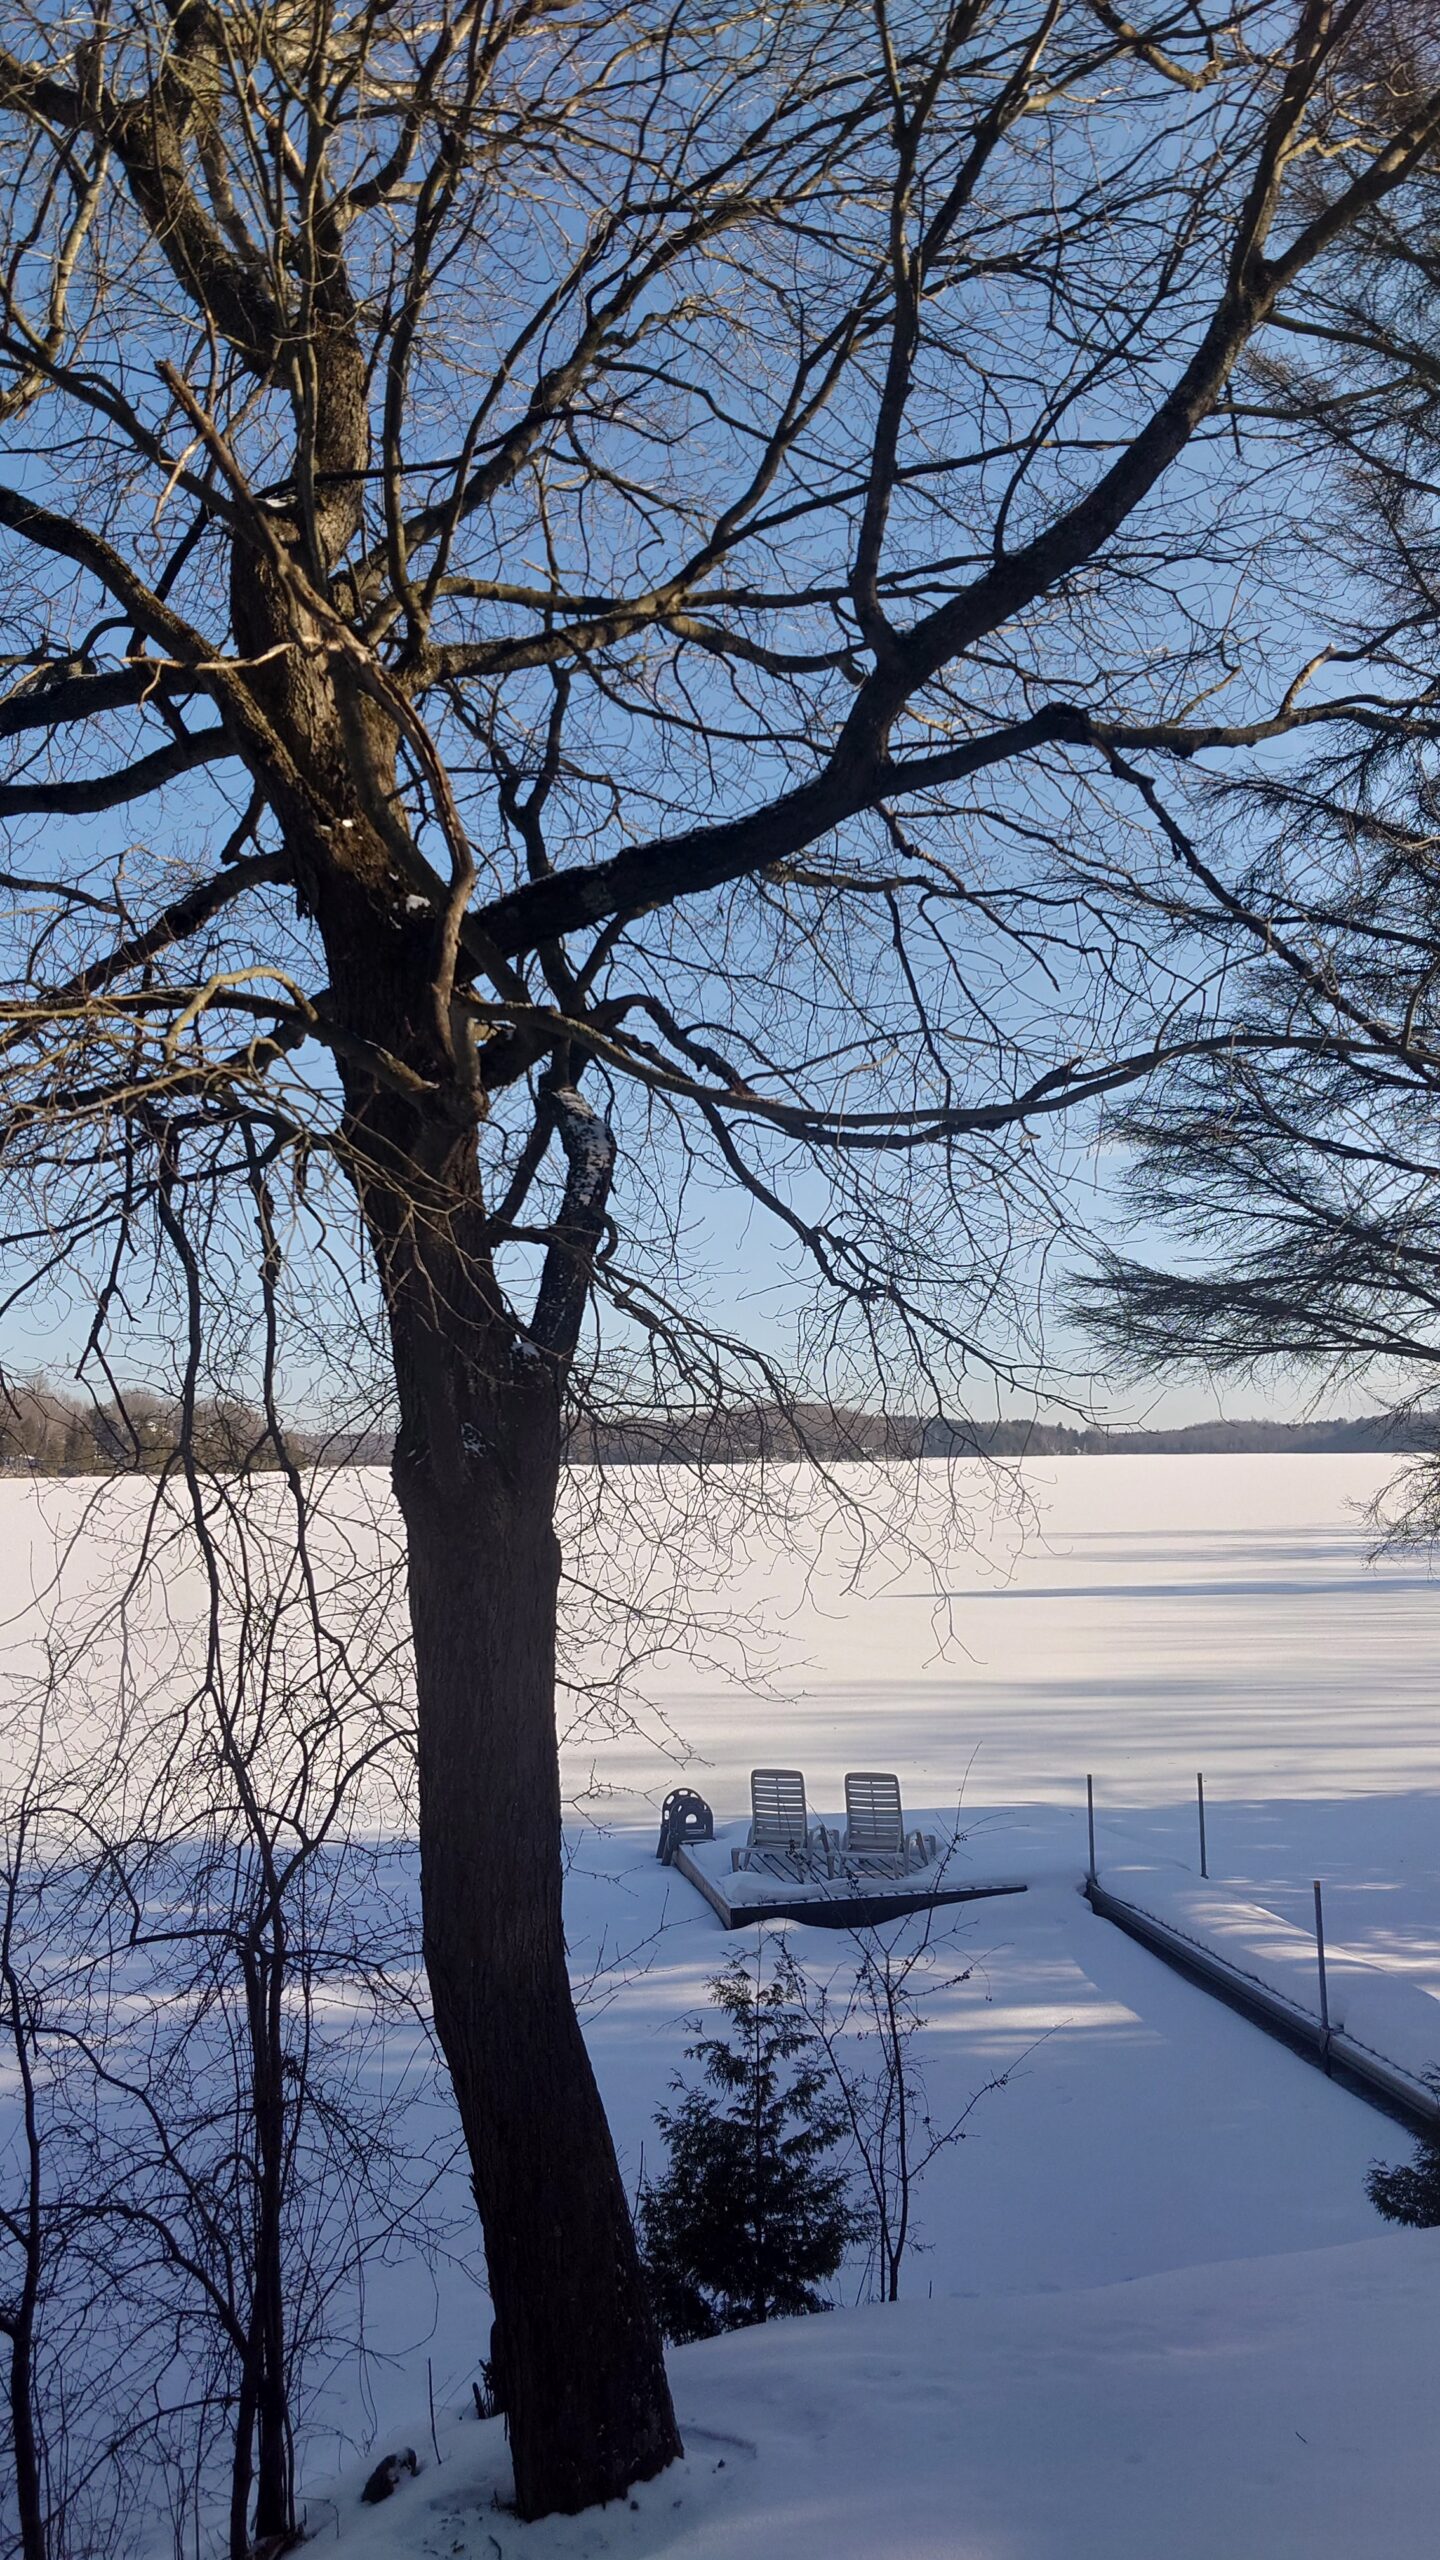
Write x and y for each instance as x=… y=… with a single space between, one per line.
x=1090 y=1821
x=1200 y=1800
x=1320 y=1958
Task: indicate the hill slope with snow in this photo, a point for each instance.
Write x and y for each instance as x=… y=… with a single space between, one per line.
x=1277 y=2409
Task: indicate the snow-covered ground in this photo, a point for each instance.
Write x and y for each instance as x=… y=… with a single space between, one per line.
x=1154 y=2311
x=1279 y=2410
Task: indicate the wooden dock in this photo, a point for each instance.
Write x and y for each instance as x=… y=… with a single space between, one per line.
x=830 y=1902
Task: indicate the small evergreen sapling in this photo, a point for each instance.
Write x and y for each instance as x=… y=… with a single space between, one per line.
x=752 y=2214
x=1410 y=2193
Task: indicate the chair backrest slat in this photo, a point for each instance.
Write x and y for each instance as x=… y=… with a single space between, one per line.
x=777 y=1807
x=873 y=1818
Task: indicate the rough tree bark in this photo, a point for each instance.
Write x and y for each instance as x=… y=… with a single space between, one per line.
x=476 y=1473
x=476 y=1470
x=19 y=2317
x=264 y=2380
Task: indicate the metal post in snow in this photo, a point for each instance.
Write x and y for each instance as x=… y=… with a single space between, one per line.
x=1324 y=1991
x=1200 y=1800
x=1090 y=1821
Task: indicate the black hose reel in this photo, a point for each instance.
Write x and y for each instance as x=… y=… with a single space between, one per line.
x=683 y=1816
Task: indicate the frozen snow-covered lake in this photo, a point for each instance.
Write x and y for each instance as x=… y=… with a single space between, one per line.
x=1160 y=1616
x=1154 y=1616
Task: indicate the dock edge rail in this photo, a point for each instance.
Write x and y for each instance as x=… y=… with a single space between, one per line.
x=1366 y=2074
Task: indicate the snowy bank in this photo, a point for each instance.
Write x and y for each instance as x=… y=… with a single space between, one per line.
x=1271 y=2409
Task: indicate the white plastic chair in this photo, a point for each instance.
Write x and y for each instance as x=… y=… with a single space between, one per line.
x=875 y=1840
x=779 y=1838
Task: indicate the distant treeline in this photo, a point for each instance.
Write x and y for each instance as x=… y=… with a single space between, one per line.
x=44 y=1431
x=830 y=1433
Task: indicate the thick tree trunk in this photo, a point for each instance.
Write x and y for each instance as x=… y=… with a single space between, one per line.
x=20 y=2328
x=29 y=2492
x=274 y=2481
x=584 y=2382
x=476 y=1469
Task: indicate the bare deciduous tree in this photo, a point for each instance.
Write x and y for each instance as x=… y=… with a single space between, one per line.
x=869 y=2017
x=27 y=2239
x=606 y=541
x=209 y=1962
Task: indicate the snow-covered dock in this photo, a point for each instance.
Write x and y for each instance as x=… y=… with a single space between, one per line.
x=1375 y=2031
x=741 y=1894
